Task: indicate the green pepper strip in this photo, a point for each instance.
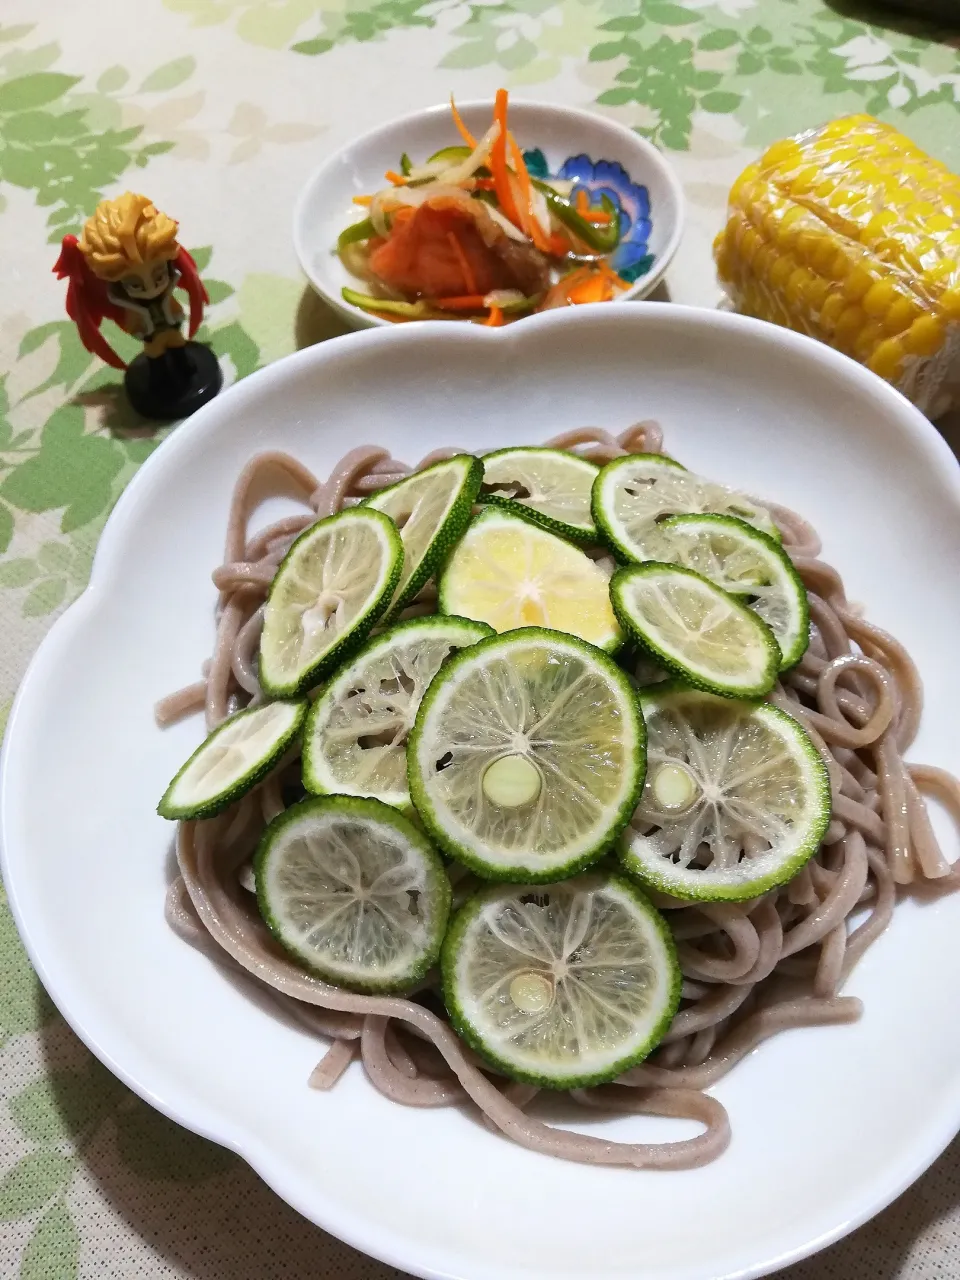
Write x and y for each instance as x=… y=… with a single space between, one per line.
x=356 y=231
x=410 y=310
x=604 y=239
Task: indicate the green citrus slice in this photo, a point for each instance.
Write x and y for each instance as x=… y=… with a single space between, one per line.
x=631 y=494
x=748 y=564
x=509 y=573
x=736 y=798
x=355 y=740
x=431 y=509
x=546 y=486
x=562 y=985
x=354 y=891
x=330 y=589
x=232 y=759
x=701 y=633
x=527 y=755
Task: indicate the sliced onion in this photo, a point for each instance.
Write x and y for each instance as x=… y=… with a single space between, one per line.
x=540 y=210
x=377 y=214
x=459 y=173
x=504 y=298
x=505 y=225
x=429 y=170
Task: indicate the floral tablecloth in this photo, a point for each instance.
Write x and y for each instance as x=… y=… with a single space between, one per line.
x=218 y=109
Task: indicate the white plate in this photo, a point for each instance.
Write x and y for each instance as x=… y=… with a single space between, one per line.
x=326 y=205
x=829 y=1124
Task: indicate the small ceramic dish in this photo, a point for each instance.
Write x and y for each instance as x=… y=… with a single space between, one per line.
x=576 y=145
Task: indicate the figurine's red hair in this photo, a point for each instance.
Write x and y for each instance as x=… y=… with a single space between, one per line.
x=88 y=304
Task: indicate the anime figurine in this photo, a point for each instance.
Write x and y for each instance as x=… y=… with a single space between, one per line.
x=125 y=267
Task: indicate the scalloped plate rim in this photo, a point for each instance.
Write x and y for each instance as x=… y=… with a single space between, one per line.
x=230 y=1133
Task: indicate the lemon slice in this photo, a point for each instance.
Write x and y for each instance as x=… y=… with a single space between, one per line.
x=527 y=755
x=431 y=509
x=696 y=630
x=748 y=564
x=330 y=589
x=508 y=573
x=355 y=740
x=631 y=494
x=561 y=985
x=736 y=798
x=549 y=487
x=232 y=759
x=354 y=891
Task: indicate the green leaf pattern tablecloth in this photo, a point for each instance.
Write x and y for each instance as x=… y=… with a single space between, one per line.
x=218 y=109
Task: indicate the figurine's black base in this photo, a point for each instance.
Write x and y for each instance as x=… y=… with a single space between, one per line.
x=175 y=384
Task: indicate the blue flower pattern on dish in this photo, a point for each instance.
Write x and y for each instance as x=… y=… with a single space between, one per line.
x=631 y=259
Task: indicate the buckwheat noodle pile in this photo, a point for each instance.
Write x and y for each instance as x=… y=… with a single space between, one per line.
x=750 y=969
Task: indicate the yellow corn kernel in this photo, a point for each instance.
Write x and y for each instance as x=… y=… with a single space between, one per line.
x=887 y=359
x=868 y=337
x=781 y=272
x=857 y=283
x=832 y=310
x=816 y=293
x=848 y=327
x=780 y=154
x=795 y=289
x=901 y=316
x=841 y=265
x=879 y=298
x=925 y=336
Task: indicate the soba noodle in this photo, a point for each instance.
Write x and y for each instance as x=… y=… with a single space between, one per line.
x=751 y=969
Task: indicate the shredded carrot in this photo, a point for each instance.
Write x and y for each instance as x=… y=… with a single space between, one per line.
x=559 y=294
x=397 y=179
x=468 y=277
x=531 y=223
x=402 y=215
x=596 y=288
x=366 y=201
x=558 y=246
x=498 y=162
x=484 y=184
x=464 y=132
x=495 y=318
x=468 y=302
x=586 y=210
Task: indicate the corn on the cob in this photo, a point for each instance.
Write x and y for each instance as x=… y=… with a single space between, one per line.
x=851 y=233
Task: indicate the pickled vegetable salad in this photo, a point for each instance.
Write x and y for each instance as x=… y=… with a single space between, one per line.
x=472 y=234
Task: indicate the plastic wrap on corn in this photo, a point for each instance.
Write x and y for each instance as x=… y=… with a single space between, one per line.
x=851 y=233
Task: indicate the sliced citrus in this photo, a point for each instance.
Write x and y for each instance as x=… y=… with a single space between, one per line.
x=232 y=760
x=527 y=755
x=736 y=798
x=353 y=890
x=355 y=740
x=508 y=573
x=562 y=985
x=431 y=509
x=748 y=564
x=546 y=486
x=696 y=630
x=330 y=589
x=631 y=494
